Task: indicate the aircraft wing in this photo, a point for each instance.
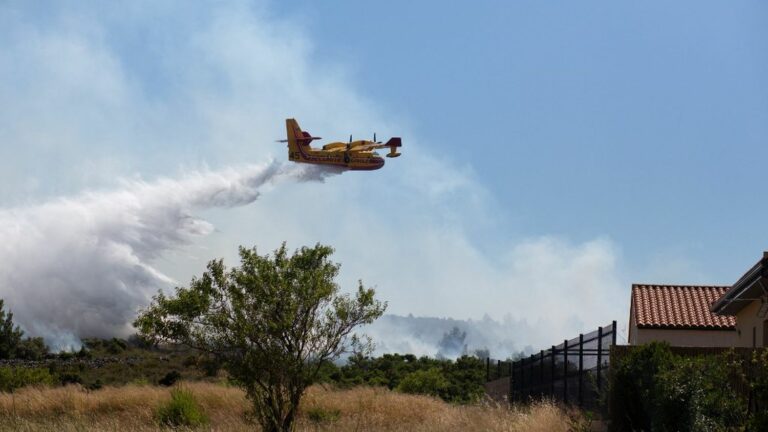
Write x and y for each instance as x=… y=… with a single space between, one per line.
x=366 y=147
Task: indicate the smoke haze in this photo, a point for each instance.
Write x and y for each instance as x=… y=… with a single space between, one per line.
x=82 y=266
x=89 y=91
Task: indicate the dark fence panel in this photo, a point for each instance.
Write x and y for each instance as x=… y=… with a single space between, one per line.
x=573 y=372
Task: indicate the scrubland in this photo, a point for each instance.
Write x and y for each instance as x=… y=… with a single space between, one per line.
x=134 y=407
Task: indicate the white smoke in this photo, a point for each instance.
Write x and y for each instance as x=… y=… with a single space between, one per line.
x=86 y=92
x=82 y=266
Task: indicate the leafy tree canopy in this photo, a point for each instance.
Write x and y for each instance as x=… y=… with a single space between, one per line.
x=273 y=322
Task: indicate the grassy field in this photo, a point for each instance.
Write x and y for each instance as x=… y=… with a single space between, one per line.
x=134 y=407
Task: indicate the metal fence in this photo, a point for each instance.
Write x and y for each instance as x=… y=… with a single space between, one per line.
x=573 y=372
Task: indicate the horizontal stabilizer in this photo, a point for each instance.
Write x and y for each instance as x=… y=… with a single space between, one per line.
x=394 y=142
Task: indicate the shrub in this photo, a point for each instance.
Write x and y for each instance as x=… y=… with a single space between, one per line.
x=429 y=382
x=696 y=394
x=83 y=353
x=181 y=410
x=12 y=378
x=321 y=415
x=170 y=378
x=633 y=386
x=115 y=346
x=141 y=381
x=12 y=341
x=96 y=385
x=654 y=390
x=465 y=377
x=10 y=334
x=32 y=349
x=70 y=378
x=759 y=420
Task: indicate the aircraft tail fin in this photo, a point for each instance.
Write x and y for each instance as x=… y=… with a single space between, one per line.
x=298 y=140
x=393 y=144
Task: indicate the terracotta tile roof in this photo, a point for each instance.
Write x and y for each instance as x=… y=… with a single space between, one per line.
x=678 y=306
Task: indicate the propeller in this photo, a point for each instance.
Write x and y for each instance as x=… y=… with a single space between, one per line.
x=350 y=139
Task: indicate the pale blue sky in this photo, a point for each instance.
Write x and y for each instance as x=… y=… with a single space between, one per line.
x=554 y=152
x=644 y=121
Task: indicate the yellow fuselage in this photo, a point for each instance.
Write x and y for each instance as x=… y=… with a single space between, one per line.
x=337 y=154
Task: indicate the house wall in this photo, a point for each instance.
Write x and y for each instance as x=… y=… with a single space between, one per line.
x=690 y=338
x=746 y=321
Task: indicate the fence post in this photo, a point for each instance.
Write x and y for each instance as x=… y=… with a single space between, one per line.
x=541 y=374
x=498 y=369
x=581 y=369
x=613 y=336
x=487 y=369
x=521 y=372
x=599 y=357
x=511 y=378
x=552 y=374
x=516 y=388
x=531 y=378
x=565 y=371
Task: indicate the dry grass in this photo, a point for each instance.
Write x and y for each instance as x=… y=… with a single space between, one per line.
x=132 y=408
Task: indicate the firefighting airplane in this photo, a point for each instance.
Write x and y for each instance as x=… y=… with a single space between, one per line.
x=354 y=155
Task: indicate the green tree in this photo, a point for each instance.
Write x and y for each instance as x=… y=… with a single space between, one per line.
x=10 y=335
x=429 y=382
x=31 y=349
x=273 y=322
x=465 y=377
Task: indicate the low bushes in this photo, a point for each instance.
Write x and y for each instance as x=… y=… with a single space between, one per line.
x=182 y=410
x=653 y=389
x=12 y=378
x=429 y=382
x=457 y=381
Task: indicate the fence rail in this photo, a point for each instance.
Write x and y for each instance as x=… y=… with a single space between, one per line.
x=573 y=372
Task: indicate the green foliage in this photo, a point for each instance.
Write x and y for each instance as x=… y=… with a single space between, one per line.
x=96 y=385
x=181 y=410
x=652 y=389
x=464 y=376
x=696 y=394
x=10 y=335
x=142 y=381
x=83 y=353
x=580 y=421
x=465 y=380
x=320 y=415
x=65 y=355
x=209 y=364
x=12 y=344
x=170 y=378
x=31 y=349
x=428 y=382
x=111 y=346
x=759 y=387
x=70 y=378
x=271 y=323
x=633 y=386
x=12 y=378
